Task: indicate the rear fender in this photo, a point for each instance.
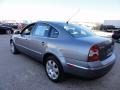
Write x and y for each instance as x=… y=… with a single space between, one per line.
x=57 y=53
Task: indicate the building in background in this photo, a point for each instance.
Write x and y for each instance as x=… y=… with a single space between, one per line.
x=115 y=23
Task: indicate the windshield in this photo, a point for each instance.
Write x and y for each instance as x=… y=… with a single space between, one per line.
x=77 y=31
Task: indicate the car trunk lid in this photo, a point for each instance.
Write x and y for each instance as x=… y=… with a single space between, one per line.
x=105 y=45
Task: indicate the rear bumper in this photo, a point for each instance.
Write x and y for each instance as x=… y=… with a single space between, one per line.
x=90 y=73
x=91 y=69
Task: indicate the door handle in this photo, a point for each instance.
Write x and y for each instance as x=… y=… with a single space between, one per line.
x=43 y=43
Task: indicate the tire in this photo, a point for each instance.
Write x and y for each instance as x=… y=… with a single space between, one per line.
x=13 y=48
x=54 y=69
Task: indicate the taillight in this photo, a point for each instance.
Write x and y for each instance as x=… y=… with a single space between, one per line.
x=93 y=54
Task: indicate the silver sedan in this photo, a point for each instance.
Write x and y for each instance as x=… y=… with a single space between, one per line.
x=65 y=48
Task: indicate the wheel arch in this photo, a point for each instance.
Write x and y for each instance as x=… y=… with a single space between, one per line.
x=61 y=60
x=47 y=55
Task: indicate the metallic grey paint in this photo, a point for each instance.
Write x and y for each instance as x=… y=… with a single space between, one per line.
x=68 y=50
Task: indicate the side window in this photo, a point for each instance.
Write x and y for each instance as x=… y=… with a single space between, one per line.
x=27 y=30
x=54 y=33
x=41 y=30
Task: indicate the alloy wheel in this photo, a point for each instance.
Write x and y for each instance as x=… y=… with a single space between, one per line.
x=52 y=69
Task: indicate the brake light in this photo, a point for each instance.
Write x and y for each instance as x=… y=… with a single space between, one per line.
x=93 y=54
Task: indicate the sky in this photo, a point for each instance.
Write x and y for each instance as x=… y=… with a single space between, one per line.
x=60 y=10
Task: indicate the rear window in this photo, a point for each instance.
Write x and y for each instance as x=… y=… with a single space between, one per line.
x=77 y=31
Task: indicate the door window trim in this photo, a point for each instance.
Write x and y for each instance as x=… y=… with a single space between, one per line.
x=33 y=24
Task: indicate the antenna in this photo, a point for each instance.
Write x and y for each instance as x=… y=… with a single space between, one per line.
x=73 y=16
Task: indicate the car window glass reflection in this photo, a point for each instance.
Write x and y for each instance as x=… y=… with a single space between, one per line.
x=54 y=33
x=27 y=31
x=41 y=31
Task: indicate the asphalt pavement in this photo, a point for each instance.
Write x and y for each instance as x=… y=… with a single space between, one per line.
x=19 y=72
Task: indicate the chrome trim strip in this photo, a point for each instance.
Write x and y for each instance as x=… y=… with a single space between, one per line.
x=78 y=66
x=29 y=49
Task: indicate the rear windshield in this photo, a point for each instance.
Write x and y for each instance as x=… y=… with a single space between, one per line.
x=76 y=30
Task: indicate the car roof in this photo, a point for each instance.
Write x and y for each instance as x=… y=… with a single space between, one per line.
x=53 y=22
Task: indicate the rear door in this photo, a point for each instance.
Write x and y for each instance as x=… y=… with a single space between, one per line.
x=38 y=40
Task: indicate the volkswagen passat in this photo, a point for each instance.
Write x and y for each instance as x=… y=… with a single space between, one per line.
x=65 y=48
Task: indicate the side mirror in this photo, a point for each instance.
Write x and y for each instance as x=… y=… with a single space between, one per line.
x=16 y=32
